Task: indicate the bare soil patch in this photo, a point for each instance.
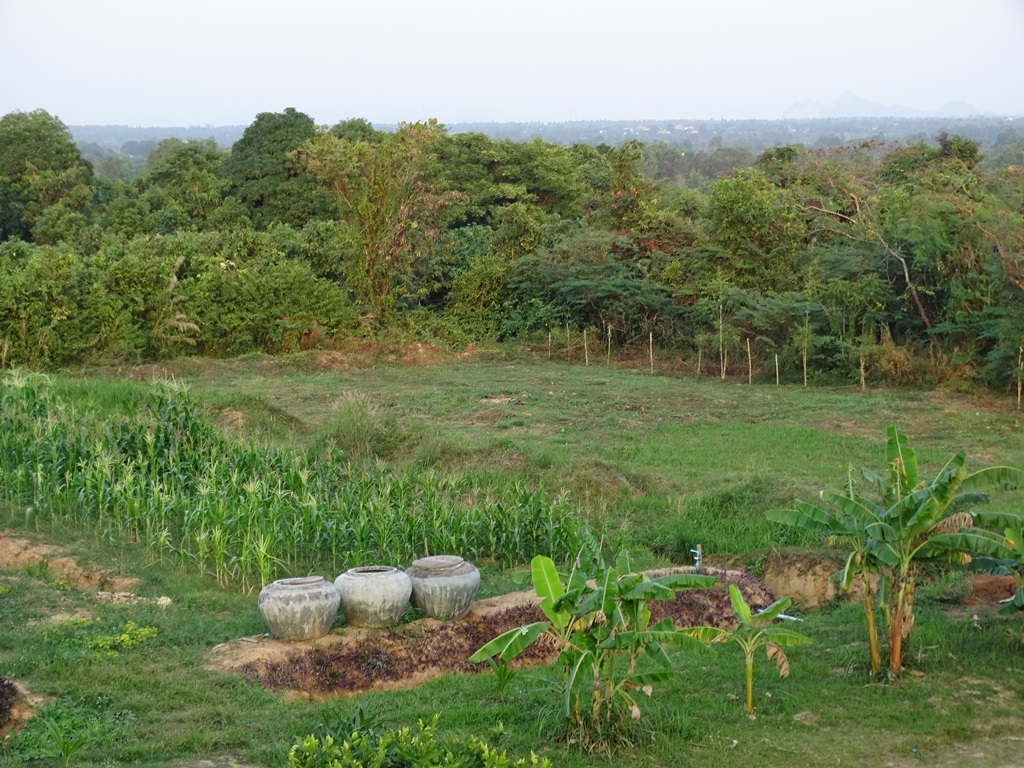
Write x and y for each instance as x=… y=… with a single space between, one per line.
x=990 y=589
x=19 y=553
x=353 y=660
x=353 y=355
x=24 y=709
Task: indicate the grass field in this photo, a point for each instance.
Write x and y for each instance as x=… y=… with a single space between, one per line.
x=660 y=462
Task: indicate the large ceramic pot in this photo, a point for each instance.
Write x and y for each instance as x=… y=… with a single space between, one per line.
x=443 y=586
x=299 y=609
x=373 y=595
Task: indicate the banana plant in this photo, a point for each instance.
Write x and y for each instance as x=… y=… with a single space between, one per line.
x=754 y=631
x=847 y=520
x=913 y=521
x=928 y=521
x=600 y=623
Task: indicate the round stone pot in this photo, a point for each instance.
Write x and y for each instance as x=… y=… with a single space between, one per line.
x=299 y=609
x=443 y=586
x=373 y=595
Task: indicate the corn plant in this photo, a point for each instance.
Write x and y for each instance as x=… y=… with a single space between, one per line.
x=161 y=475
x=64 y=745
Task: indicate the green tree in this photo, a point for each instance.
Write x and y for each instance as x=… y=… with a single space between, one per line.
x=914 y=521
x=271 y=184
x=926 y=520
x=40 y=300
x=40 y=168
x=183 y=184
x=390 y=220
x=758 y=226
x=356 y=129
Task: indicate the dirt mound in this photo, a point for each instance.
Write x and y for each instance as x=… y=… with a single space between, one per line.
x=810 y=583
x=353 y=660
x=990 y=589
x=19 y=553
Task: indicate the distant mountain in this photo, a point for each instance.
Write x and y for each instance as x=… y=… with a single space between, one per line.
x=851 y=105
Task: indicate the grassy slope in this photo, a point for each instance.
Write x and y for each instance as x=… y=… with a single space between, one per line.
x=641 y=453
x=649 y=455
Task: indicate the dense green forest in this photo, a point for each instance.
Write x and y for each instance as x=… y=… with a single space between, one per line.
x=868 y=261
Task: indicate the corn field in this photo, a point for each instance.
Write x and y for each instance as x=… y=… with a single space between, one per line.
x=244 y=513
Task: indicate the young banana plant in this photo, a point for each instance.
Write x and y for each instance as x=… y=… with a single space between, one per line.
x=754 y=631
x=600 y=623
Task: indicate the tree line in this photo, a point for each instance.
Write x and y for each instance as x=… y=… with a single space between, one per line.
x=870 y=261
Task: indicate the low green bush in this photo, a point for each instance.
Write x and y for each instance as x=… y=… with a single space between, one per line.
x=406 y=748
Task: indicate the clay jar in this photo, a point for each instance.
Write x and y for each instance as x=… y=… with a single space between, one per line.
x=299 y=609
x=443 y=586
x=373 y=595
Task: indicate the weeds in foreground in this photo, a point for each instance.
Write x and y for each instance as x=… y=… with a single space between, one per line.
x=65 y=727
x=64 y=743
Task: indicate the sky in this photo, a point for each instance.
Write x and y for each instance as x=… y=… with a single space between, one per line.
x=221 y=62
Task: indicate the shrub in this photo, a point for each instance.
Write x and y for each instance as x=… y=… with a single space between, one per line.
x=405 y=748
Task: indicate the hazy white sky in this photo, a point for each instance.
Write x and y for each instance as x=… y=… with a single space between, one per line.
x=215 y=62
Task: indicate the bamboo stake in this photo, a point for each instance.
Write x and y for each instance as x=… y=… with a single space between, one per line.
x=586 y=352
x=549 y=344
x=805 y=364
x=750 y=364
x=608 y=361
x=776 y=369
x=863 y=382
x=568 y=341
x=721 y=339
x=651 y=348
